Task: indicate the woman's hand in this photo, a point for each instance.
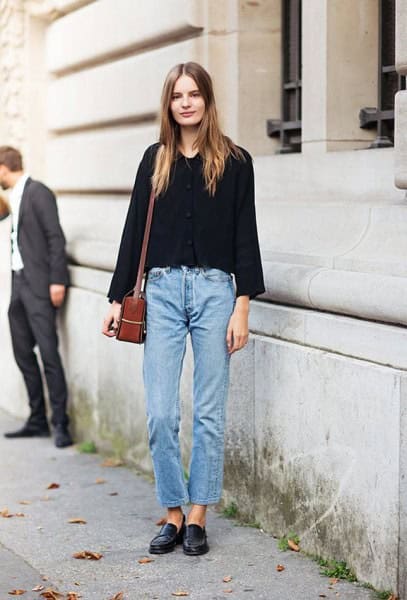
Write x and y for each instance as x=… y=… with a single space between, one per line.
x=111 y=320
x=238 y=328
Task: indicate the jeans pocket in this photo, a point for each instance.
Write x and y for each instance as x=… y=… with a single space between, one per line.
x=155 y=273
x=216 y=275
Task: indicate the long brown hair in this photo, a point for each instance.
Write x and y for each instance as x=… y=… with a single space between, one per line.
x=212 y=145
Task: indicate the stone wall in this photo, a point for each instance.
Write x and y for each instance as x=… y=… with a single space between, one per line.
x=315 y=439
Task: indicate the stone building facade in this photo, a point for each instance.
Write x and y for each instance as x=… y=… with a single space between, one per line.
x=316 y=439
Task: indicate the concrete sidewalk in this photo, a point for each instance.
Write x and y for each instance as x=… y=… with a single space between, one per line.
x=120 y=519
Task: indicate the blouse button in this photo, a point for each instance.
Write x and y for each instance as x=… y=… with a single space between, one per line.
x=188 y=214
x=189 y=242
x=189 y=186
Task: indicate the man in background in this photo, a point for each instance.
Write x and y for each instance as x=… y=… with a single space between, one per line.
x=39 y=281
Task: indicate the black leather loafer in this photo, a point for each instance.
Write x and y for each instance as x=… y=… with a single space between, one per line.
x=167 y=539
x=28 y=431
x=62 y=437
x=195 y=541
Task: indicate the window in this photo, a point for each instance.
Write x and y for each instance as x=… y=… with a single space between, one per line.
x=288 y=128
x=389 y=81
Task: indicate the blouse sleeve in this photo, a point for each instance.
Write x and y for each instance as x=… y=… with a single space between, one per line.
x=124 y=276
x=248 y=268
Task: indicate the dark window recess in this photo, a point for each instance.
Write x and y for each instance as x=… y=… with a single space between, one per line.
x=389 y=81
x=288 y=128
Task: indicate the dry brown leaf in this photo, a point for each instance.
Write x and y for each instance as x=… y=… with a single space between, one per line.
x=161 y=521
x=113 y=493
x=291 y=544
x=77 y=520
x=72 y=596
x=112 y=462
x=333 y=580
x=87 y=555
x=100 y=480
x=24 y=502
x=280 y=568
x=145 y=560
x=38 y=588
x=53 y=486
x=44 y=578
x=19 y=515
x=5 y=514
x=227 y=578
x=51 y=594
x=180 y=593
x=118 y=596
x=321 y=596
x=393 y=597
x=17 y=592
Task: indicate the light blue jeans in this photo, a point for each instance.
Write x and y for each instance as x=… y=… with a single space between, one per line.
x=199 y=301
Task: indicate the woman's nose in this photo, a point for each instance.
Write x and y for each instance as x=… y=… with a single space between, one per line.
x=185 y=100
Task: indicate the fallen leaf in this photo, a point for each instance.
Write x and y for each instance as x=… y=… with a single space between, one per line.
x=333 y=580
x=51 y=594
x=77 y=520
x=145 y=560
x=72 y=596
x=17 y=592
x=291 y=544
x=229 y=591
x=100 y=480
x=24 y=502
x=180 y=593
x=280 y=568
x=392 y=597
x=118 y=596
x=227 y=578
x=87 y=555
x=113 y=493
x=38 y=588
x=53 y=486
x=161 y=521
x=5 y=514
x=44 y=578
x=19 y=515
x=112 y=462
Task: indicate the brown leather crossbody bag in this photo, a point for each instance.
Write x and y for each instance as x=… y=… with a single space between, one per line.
x=132 y=320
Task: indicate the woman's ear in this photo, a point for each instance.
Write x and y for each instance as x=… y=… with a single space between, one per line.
x=4 y=208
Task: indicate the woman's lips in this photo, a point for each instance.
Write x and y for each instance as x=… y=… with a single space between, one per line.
x=187 y=114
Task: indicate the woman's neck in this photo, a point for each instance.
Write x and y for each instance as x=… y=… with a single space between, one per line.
x=187 y=140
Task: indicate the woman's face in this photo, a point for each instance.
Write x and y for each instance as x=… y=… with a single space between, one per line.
x=187 y=103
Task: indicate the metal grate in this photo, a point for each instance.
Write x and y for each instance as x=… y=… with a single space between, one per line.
x=389 y=82
x=288 y=128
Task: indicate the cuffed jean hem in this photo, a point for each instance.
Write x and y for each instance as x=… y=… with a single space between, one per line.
x=174 y=503
x=206 y=501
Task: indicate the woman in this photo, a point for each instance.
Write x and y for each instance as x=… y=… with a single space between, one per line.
x=203 y=229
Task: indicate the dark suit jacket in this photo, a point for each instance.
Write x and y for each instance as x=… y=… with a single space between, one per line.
x=41 y=240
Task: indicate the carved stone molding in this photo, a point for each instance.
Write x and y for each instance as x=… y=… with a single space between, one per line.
x=12 y=93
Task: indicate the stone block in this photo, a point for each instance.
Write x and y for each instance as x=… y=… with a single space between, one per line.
x=108 y=29
x=400 y=139
x=239 y=472
x=327 y=459
x=126 y=89
x=105 y=160
x=401 y=37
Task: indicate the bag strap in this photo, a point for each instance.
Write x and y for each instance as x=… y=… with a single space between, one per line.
x=140 y=272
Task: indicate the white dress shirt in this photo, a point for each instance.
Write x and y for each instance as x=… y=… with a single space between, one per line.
x=15 y=202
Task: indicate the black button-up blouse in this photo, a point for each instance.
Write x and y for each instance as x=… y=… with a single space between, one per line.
x=192 y=228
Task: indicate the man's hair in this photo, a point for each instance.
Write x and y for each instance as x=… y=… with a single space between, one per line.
x=11 y=158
